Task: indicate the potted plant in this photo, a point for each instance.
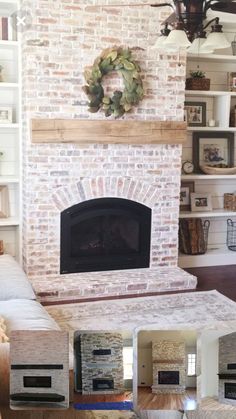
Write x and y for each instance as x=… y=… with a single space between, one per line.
x=197 y=81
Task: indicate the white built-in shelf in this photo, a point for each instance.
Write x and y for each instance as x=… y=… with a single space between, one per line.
x=4 y=85
x=212 y=57
x=10 y=221
x=4 y=180
x=9 y=44
x=208 y=214
x=209 y=93
x=8 y=6
x=9 y=126
x=215 y=256
x=213 y=129
x=206 y=177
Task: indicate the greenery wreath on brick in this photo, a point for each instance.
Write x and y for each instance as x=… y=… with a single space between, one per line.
x=120 y=60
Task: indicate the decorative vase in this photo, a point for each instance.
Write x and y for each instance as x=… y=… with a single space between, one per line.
x=198 y=83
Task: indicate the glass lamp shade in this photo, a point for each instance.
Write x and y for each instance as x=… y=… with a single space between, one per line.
x=177 y=38
x=198 y=47
x=159 y=42
x=216 y=40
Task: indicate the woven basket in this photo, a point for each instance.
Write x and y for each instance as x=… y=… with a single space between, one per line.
x=198 y=84
x=230 y=201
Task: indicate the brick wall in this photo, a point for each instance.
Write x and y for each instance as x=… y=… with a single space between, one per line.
x=66 y=36
x=227 y=355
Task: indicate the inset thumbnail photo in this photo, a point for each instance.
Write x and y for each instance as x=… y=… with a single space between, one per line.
x=167 y=370
x=103 y=370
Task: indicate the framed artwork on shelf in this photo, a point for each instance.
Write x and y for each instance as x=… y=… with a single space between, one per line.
x=185 y=193
x=195 y=114
x=1 y=247
x=232 y=82
x=4 y=202
x=215 y=149
x=201 y=202
x=5 y=115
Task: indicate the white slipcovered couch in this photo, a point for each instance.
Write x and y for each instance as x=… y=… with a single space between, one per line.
x=20 y=311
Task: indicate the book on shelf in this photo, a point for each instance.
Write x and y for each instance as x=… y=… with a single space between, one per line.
x=7 y=28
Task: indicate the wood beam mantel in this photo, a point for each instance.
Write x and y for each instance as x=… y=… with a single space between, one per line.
x=107 y=132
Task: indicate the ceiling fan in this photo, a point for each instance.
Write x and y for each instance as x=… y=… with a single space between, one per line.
x=188 y=21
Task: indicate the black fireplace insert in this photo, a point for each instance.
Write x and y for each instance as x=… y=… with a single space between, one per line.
x=103 y=384
x=105 y=234
x=168 y=377
x=230 y=391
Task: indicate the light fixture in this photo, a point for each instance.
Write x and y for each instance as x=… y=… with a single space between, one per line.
x=177 y=37
x=162 y=37
x=216 y=39
x=198 y=44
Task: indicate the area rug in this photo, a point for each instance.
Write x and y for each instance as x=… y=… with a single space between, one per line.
x=192 y=309
x=126 y=405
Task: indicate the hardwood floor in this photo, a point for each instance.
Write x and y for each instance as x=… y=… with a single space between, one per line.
x=209 y=403
x=95 y=398
x=149 y=401
x=220 y=278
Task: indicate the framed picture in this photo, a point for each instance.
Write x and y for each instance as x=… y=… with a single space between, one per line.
x=232 y=82
x=185 y=192
x=213 y=149
x=201 y=202
x=4 y=202
x=195 y=114
x=5 y=115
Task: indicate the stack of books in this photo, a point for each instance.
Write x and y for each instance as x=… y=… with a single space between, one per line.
x=7 y=29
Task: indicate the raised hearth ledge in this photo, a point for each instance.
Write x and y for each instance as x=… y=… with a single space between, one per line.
x=82 y=286
x=107 y=132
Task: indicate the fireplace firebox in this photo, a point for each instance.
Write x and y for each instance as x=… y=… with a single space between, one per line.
x=105 y=234
x=168 y=377
x=230 y=391
x=102 y=384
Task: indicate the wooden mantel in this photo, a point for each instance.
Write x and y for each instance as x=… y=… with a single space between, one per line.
x=107 y=132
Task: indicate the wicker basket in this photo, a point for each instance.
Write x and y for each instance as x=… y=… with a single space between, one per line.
x=198 y=84
x=231 y=235
x=230 y=201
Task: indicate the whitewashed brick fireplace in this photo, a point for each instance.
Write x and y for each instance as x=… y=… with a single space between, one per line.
x=65 y=37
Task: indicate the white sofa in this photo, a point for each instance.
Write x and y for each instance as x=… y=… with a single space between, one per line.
x=21 y=311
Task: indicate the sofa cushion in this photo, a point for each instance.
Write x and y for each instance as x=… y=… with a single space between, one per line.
x=13 y=281
x=26 y=315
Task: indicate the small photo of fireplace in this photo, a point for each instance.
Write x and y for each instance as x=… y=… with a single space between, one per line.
x=103 y=362
x=167 y=370
x=218 y=379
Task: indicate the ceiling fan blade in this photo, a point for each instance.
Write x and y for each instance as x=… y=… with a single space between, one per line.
x=223 y=6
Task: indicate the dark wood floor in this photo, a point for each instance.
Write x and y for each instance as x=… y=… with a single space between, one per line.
x=220 y=278
x=149 y=401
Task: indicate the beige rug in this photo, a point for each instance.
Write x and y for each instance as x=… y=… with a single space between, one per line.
x=192 y=309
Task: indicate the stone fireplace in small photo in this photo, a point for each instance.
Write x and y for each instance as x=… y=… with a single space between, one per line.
x=99 y=363
x=227 y=369
x=169 y=367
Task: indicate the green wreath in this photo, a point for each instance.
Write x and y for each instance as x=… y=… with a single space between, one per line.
x=120 y=60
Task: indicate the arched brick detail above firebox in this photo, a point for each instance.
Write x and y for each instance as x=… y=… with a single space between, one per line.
x=100 y=187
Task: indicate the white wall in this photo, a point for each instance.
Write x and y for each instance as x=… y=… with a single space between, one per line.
x=145 y=367
x=209 y=363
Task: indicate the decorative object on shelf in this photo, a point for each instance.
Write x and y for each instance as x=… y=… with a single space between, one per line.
x=1 y=74
x=232 y=82
x=233 y=45
x=232 y=121
x=213 y=170
x=120 y=60
x=230 y=201
x=193 y=236
x=5 y=115
x=213 y=149
x=231 y=235
x=4 y=202
x=188 y=167
x=201 y=202
x=197 y=81
x=1 y=247
x=185 y=190
x=195 y=114
x=211 y=123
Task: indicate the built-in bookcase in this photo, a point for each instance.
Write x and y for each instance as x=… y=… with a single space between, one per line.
x=10 y=134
